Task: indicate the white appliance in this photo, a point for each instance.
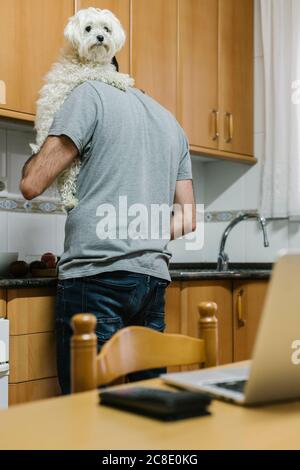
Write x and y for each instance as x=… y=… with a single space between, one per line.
x=4 y=362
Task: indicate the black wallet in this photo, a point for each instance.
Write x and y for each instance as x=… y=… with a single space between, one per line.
x=157 y=403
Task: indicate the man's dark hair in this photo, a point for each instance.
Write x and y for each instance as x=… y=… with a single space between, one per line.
x=115 y=63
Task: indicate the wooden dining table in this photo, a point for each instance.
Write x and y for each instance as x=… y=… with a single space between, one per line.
x=79 y=422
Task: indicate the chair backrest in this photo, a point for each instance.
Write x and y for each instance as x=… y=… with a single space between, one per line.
x=137 y=348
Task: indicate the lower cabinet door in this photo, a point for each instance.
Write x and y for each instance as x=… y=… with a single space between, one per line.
x=30 y=310
x=173 y=312
x=32 y=357
x=172 y=308
x=220 y=292
x=33 y=390
x=248 y=301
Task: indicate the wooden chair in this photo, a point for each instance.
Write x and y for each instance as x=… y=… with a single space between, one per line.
x=137 y=348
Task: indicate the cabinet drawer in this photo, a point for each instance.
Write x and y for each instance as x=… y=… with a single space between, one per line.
x=30 y=310
x=33 y=390
x=32 y=357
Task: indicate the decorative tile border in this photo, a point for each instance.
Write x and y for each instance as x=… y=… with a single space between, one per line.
x=21 y=205
x=14 y=204
x=225 y=216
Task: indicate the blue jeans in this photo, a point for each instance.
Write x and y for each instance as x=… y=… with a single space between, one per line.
x=118 y=299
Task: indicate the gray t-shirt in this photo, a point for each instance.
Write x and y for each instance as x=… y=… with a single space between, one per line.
x=133 y=150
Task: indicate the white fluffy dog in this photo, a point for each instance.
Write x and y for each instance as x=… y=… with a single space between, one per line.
x=93 y=37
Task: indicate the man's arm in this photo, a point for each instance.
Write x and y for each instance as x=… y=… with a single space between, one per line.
x=184 y=219
x=41 y=170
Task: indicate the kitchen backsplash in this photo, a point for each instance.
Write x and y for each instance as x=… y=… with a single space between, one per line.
x=31 y=228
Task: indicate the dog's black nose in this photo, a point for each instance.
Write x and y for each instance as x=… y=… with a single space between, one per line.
x=100 y=38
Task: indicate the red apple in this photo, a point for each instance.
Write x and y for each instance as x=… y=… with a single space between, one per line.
x=49 y=259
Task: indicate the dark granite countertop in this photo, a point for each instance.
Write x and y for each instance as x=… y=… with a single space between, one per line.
x=198 y=271
x=27 y=282
x=179 y=272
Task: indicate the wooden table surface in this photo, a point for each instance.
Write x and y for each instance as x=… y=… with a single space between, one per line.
x=78 y=422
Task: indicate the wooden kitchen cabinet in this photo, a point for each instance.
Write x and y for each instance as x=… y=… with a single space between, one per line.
x=198 y=71
x=195 y=57
x=154 y=49
x=195 y=292
x=215 y=89
x=31 y=316
x=240 y=305
x=182 y=314
x=33 y=390
x=31 y=35
x=32 y=357
x=121 y=8
x=248 y=301
x=173 y=313
x=30 y=311
x=2 y=303
x=173 y=308
x=236 y=76
x=32 y=338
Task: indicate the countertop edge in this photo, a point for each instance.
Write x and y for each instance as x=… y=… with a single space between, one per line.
x=21 y=283
x=176 y=275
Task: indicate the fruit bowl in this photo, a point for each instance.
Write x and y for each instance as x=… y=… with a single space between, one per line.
x=46 y=272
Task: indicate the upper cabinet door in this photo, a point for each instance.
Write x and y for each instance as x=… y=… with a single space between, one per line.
x=121 y=8
x=236 y=76
x=198 y=71
x=31 y=35
x=154 y=49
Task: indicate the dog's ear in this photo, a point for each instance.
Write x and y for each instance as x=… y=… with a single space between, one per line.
x=119 y=33
x=120 y=36
x=71 y=30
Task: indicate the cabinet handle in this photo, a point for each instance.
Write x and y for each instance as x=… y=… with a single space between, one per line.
x=229 y=127
x=241 y=320
x=215 y=116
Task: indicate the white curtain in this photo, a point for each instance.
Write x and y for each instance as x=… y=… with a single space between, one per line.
x=281 y=49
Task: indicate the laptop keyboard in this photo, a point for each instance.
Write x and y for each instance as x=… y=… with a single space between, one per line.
x=236 y=386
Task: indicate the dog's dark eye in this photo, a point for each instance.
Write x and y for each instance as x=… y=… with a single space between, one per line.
x=88 y=29
x=106 y=29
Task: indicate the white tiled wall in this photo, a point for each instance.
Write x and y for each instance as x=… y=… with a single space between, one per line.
x=177 y=247
x=17 y=149
x=26 y=233
x=3 y=231
x=31 y=234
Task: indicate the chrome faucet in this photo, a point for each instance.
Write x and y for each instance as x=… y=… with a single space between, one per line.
x=223 y=259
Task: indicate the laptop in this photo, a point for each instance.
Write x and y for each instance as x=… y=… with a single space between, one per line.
x=274 y=372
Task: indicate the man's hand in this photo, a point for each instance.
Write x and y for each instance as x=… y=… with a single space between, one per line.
x=184 y=219
x=42 y=169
